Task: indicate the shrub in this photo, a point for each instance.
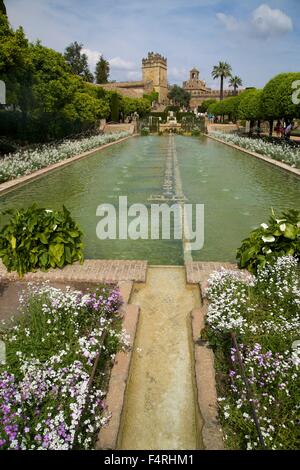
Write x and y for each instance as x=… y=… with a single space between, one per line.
x=263 y=312
x=51 y=393
x=37 y=238
x=278 y=238
x=145 y=131
x=115 y=107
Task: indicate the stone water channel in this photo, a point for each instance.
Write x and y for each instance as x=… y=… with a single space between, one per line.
x=160 y=408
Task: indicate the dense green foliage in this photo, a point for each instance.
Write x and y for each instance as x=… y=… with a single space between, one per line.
x=50 y=96
x=279 y=237
x=145 y=131
x=36 y=238
x=141 y=106
x=274 y=101
x=2 y=7
x=115 y=107
x=102 y=70
x=179 y=96
x=78 y=61
x=152 y=97
x=203 y=108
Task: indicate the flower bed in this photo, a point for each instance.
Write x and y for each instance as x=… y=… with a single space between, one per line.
x=281 y=152
x=25 y=162
x=47 y=398
x=264 y=314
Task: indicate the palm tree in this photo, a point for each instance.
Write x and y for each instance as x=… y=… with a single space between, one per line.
x=235 y=82
x=222 y=70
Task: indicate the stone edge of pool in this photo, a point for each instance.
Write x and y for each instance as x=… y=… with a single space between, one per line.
x=281 y=165
x=18 y=182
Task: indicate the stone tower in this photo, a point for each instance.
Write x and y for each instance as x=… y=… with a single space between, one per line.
x=155 y=70
x=194 y=74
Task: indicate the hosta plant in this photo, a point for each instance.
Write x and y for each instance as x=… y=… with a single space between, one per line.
x=280 y=237
x=38 y=238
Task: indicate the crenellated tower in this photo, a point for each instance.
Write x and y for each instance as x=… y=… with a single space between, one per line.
x=155 y=70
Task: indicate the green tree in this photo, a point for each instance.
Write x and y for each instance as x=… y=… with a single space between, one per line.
x=102 y=71
x=277 y=98
x=78 y=61
x=15 y=65
x=288 y=108
x=205 y=105
x=235 y=82
x=250 y=107
x=222 y=71
x=152 y=97
x=179 y=96
x=2 y=8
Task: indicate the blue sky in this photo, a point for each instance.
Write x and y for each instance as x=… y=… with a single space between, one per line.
x=258 y=38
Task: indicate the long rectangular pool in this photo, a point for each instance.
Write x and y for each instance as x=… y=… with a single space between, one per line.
x=237 y=191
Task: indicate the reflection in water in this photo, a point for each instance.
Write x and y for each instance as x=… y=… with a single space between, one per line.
x=237 y=191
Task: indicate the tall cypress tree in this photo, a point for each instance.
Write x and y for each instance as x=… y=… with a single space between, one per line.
x=102 y=70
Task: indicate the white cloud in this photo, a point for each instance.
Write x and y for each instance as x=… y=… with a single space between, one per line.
x=93 y=57
x=230 y=22
x=117 y=63
x=134 y=75
x=264 y=22
x=178 y=74
x=271 y=22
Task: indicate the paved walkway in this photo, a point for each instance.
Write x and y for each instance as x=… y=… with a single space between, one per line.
x=160 y=411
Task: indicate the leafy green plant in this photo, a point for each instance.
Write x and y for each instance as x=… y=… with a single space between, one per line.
x=145 y=131
x=279 y=237
x=37 y=238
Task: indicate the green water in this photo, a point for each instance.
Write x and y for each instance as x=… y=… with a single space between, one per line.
x=236 y=189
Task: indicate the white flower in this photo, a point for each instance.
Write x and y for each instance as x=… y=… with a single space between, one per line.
x=269 y=239
x=282 y=227
x=265 y=226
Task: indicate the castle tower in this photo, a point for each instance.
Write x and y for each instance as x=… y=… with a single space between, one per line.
x=194 y=74
x=155 y=70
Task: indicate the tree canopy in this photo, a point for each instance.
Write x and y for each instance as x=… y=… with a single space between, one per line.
x=222 y=71
x=102 y=70
x=179 y=96
x=235 y=82
x=78 y=61
x=50 y=99
x=2 y=8
x=274 y=101
x=205 y=105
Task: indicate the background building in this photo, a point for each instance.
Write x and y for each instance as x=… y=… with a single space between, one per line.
x=155 y=78
x=199 y=91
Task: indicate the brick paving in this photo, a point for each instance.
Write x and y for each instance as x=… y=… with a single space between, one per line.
x=197 y=272
x=91 y=271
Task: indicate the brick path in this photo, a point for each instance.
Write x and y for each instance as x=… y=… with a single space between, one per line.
x=198 y=271
x=93 y=271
